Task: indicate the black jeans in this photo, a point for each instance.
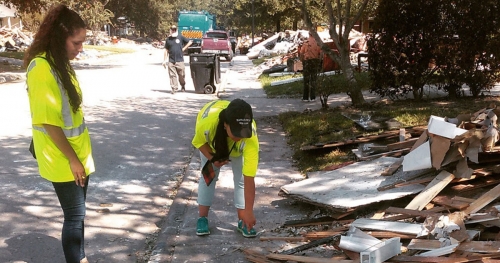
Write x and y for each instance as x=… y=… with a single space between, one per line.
x=72 y=199
x=310 y=72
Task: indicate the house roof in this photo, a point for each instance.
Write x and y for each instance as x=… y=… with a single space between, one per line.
x=6 y=11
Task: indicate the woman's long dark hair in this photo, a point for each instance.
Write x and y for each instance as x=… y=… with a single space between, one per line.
x=220 y=139
x=59 y=24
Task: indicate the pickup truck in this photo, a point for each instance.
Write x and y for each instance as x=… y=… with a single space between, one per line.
x=217 y=42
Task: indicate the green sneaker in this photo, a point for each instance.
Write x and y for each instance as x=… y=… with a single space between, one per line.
x=202 y=226
x=244 y=231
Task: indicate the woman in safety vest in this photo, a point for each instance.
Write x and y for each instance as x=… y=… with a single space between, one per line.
x=61 y=139
x=226 y=133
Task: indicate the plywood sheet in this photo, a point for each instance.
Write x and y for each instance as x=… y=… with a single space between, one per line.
x=352 y=186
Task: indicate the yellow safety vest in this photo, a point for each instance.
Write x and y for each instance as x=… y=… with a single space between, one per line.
x=49 y=104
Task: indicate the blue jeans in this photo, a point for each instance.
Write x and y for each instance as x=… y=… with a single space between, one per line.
x=72 y=199
x=206 y=193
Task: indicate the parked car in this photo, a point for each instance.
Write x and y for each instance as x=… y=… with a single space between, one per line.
x=217 y=42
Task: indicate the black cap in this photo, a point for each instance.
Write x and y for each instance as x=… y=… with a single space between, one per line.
x=239 y=116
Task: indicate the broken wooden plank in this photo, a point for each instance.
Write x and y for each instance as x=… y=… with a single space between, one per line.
x=417 y=174
x=397 y=210
x=432 y=189
x=468 y=187
x=483 y=200
x=309 y=222
x=311 y=244
x=402 y=145
x=361 y=139
x=393 y=168
x=396 y=153
x=450 y=202
x=286 y=239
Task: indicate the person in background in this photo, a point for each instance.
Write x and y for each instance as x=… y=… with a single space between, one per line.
x=226 y=133
x=60 y=136
x=310 y=54
x=287 y=37
x=175 y=45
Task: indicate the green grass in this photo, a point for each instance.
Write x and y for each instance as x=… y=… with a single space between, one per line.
x=290 y=90
x=17 y=55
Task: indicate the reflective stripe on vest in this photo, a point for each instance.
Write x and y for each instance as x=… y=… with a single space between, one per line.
x=68 y=132
x=207 y=110
x=66 y=108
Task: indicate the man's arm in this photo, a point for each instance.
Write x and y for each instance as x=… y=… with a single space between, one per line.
x=165 y=58
x=189 y=43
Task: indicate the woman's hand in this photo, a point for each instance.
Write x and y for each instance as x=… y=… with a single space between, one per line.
x=248 y=219
x=219 y=164
x=78 y=172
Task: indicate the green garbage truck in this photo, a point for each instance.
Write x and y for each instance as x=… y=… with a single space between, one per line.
x=193 y=25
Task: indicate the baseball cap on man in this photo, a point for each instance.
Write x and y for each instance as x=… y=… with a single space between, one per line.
x=239 y=116
x=173 y=27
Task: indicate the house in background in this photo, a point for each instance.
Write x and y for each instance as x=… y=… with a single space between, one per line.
x=9 y=18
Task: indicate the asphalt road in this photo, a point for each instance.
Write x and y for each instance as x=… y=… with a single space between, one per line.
x=141 y=138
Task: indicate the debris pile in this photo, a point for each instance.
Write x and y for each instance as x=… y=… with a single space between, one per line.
x=14 y=39
x=437 y=201
x=286 y=47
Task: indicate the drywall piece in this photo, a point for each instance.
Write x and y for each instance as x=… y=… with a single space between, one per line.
x=418 y=159
x=439 y=126
x=351 y=186
x=398 y=227
x=382 y=251
x=431 y=190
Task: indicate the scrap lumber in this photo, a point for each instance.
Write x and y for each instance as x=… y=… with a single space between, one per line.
x=395 y=153
x=287 y=239
x=327 y=233
x=311 y=244
x=309 y=222
x=414 y=176
x=402 y=145
x=417 y=181
x=360 y=139
x=432 y=189
x=411 y=212
x=393 y=168
x=453 y=202
x=468 y=187
x=483 y=200
x=308 y=259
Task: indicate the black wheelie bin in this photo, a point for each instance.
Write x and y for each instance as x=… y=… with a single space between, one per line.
x=205 y=72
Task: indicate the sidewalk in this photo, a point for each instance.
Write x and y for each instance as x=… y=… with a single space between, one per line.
x=177 y=241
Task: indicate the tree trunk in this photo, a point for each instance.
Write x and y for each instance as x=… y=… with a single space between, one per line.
x=354 y=92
